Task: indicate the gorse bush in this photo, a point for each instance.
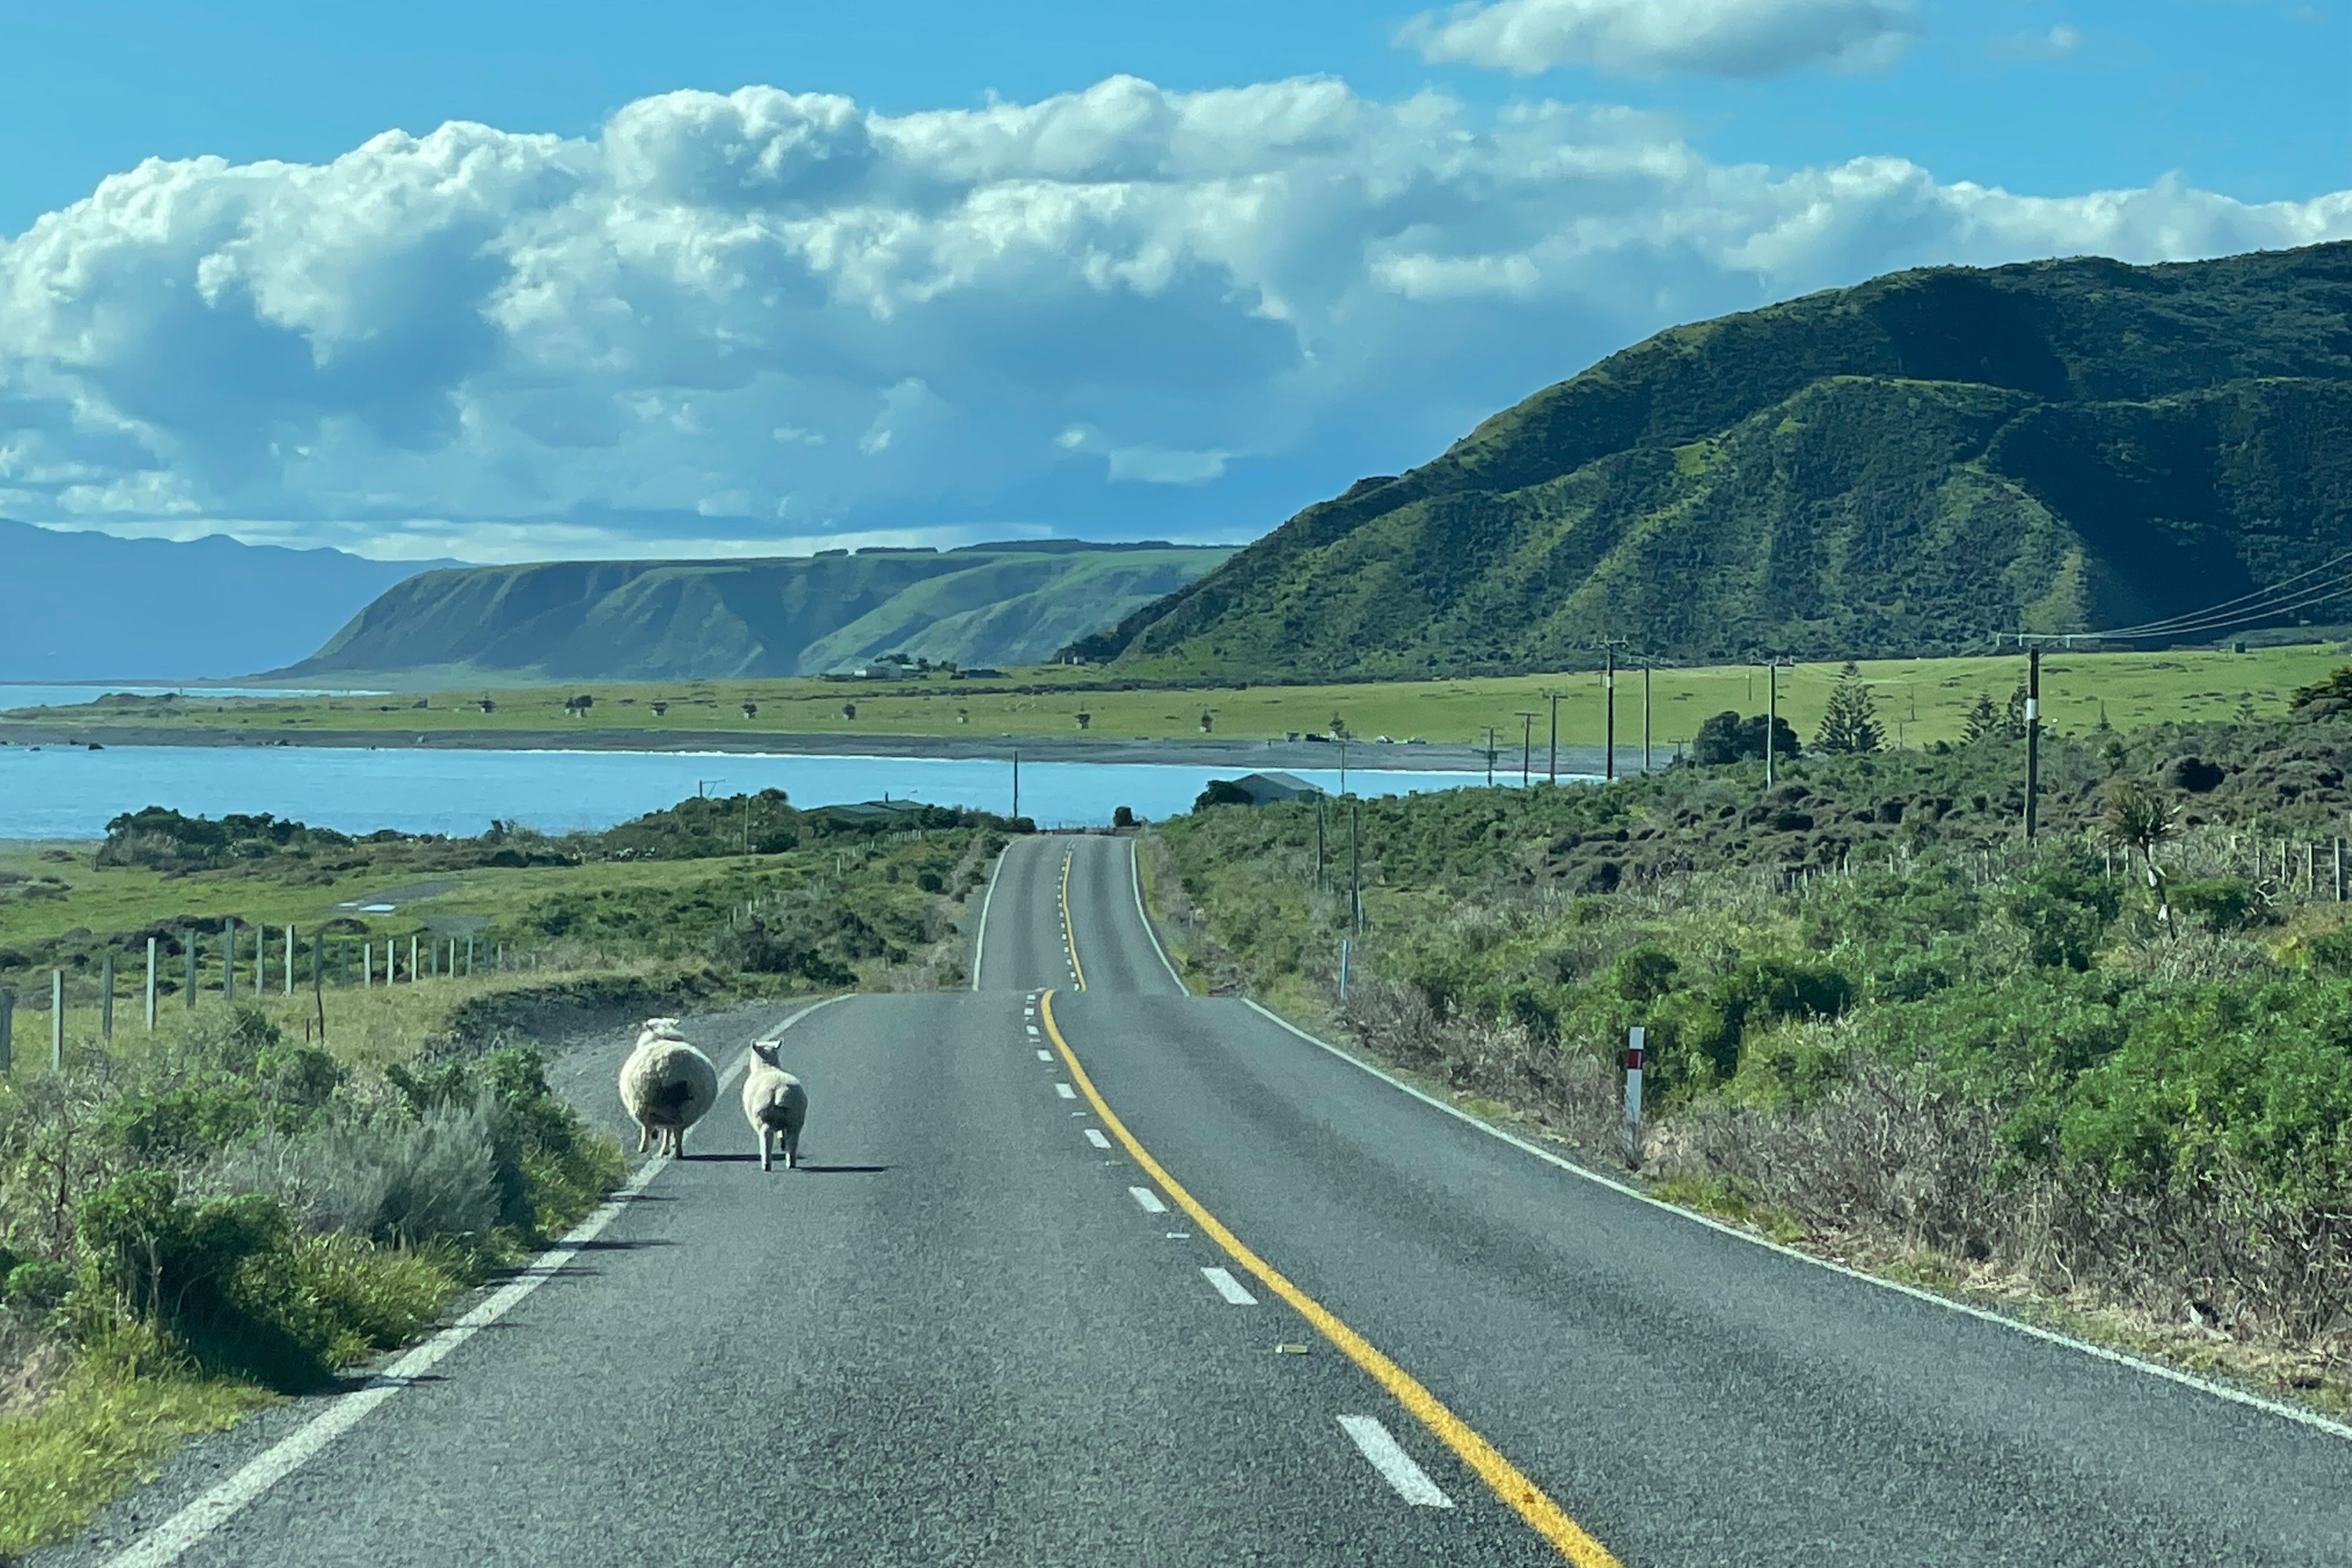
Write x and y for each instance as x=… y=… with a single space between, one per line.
x=1871 y=1016
x=241 y=1201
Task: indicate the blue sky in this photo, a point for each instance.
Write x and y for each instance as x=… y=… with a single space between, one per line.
x=960 y=276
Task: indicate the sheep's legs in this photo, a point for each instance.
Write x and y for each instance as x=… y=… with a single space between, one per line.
x=766 y=1153
x=791 y=1151
x=642 y=1132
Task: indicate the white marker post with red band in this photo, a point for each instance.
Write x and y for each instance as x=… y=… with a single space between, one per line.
x=1633 y=1097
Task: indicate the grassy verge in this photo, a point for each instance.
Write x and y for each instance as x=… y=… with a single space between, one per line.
x=108 y=1423
x=232 y=1207
x=1921 y=701
x=2043 y=1079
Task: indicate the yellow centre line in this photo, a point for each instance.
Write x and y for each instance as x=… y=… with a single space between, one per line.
x=1069 y=931
x=1542 y=1515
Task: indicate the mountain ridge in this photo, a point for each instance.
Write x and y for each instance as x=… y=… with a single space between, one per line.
x=84 y=607
x=777 y=615
x=1899 y=468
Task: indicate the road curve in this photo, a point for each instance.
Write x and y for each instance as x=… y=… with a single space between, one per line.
x=983 y=1326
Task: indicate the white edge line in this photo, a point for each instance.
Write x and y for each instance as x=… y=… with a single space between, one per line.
x=979 y=938
x=743 y=1058
x=1396 y=1466
x=1147 y=1200
x=1135 y=875
x=167 y=1541
x=171 y=1539
x=1225 y=1285
x=2032 y=1331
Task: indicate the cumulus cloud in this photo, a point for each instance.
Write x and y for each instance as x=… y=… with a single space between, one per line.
x=765 y=320
x=1654 y=37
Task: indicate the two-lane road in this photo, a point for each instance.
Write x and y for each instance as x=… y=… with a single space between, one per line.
x=1088 y=1271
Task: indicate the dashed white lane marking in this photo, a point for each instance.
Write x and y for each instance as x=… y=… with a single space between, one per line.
x=1228 y=1287
x=1065 y=1091
x=1147 y=1200
x=1094 y=1136
x=1044 y=1056
x=1395 y=1466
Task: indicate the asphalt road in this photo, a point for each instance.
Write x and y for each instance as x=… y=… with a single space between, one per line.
x=977 y=1329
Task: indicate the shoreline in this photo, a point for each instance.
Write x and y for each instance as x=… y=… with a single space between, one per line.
x=1241 y=755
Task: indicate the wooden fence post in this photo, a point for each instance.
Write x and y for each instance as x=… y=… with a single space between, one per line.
x=56 y=1020
x=7 y=1030
x=151 y=985
x=106 y=995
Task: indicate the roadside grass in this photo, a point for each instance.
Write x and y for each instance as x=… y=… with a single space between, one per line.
x=1919 y=700
x=109 y=1423
x=601 y=914
x=1996 y=1073
x=227 y=1130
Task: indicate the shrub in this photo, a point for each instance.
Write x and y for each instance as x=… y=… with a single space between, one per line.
x=213 y=1275
x=2223 y=903
x=2063 y=908
x=1220 y=792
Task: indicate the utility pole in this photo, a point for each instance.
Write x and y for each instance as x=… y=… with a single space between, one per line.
x=1551 y=774
x=1645 y=719
x=1016 y=785
x=1318 y=841
x=2032 y=740
x=1772 y=663
x=1609 y=647
x=1526 y=746
x=1490 y=756
x=1356 y=865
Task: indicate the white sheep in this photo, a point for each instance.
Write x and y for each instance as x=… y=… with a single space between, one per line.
x=774 y=1102
x=667 y=1085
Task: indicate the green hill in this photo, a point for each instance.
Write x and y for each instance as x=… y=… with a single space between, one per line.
x=990 y=604
x=1897 y=469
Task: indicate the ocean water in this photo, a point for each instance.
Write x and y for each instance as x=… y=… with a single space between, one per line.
x=69 y=792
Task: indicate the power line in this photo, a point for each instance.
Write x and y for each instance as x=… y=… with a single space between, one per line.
x=2278 y=598
x=2279 y=586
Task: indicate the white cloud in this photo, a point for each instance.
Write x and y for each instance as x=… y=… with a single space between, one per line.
x=1654 y=37
x=763 y=317
x=2054 y=44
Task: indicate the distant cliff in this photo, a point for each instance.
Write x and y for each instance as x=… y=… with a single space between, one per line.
x=989 y=604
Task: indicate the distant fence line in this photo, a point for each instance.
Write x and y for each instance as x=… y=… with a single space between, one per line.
x=237 y=964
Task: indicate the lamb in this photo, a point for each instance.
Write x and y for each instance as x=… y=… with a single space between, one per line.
x=667 y=1085
x=774 y=1102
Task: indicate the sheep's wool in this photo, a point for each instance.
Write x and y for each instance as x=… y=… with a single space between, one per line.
x=667 y=1082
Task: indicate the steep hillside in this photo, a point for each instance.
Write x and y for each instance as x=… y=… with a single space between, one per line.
x=1901 y=468
x=84 y=607
x=652 y=619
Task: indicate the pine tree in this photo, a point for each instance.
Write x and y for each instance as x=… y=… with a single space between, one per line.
x=1983 y=721
x=1851 y=722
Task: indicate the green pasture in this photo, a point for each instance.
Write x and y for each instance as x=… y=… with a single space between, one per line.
x=1919 y=700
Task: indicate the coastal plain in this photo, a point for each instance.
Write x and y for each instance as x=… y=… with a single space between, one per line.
x=1081 y=715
